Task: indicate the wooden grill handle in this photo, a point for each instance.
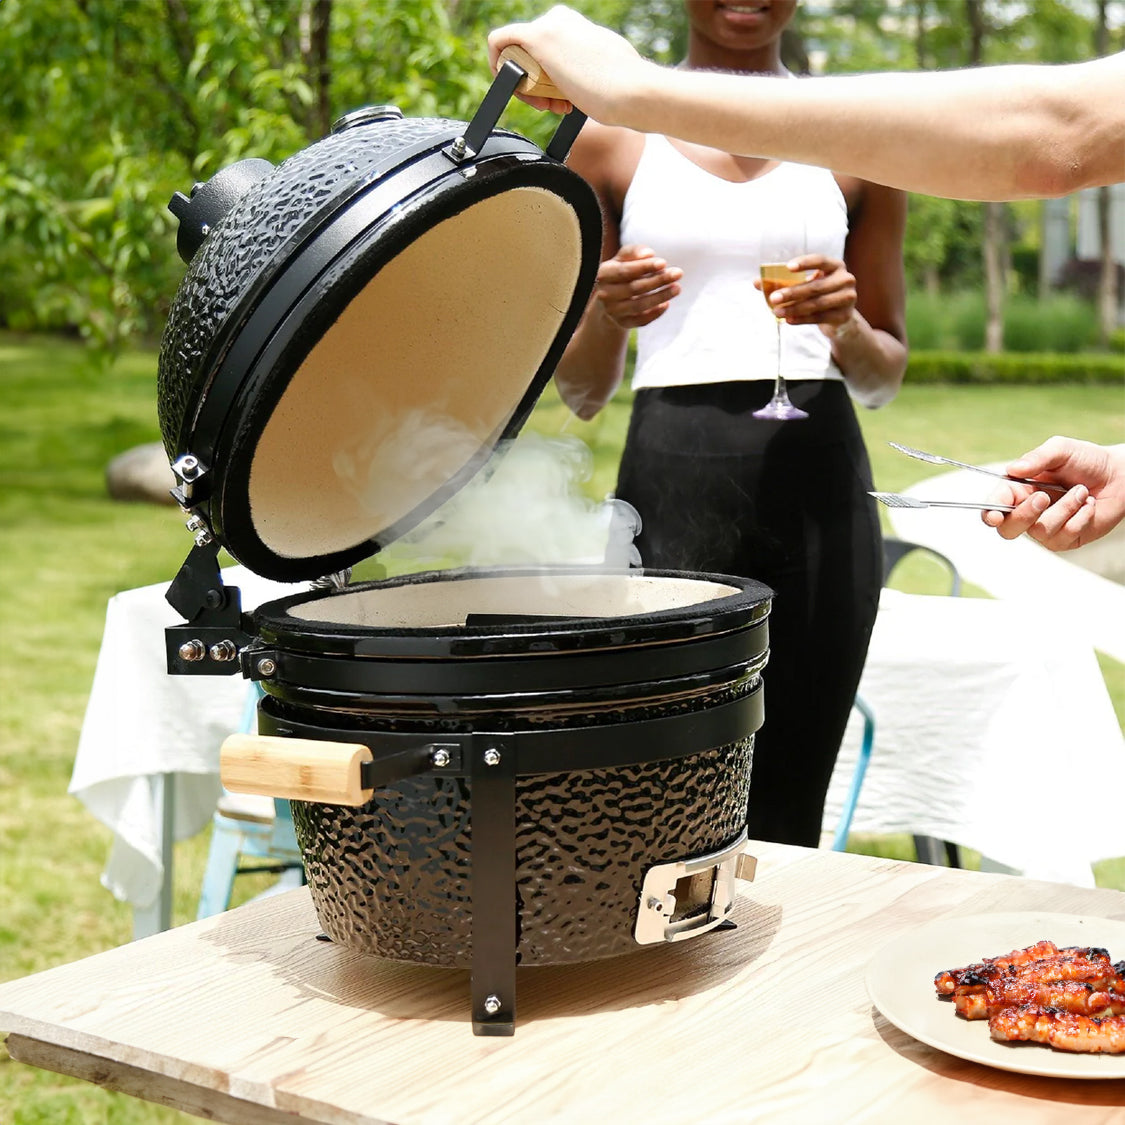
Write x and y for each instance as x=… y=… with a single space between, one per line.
x=297 y=769
x=538 y=81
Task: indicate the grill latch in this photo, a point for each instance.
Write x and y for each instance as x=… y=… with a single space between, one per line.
x=688 y=897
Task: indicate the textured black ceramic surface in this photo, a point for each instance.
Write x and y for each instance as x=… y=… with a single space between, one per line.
x=257 y=238
x=393 y=878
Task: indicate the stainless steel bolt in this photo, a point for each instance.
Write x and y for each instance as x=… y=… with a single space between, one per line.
x=192 y=651
x=267 y=666
x=223 y=651
x=492 y=757
x=458 y=147
x=491 y=1004
x=440 y=758
x=187 y=467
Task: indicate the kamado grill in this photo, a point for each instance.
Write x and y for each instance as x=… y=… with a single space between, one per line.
x=488 y=767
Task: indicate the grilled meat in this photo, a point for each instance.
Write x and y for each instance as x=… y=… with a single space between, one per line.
x=1071 y=998
x=1066 y=1031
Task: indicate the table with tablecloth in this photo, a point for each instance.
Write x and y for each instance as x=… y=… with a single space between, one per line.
x=1046 y=583
x=146 y=731
x=993 y=729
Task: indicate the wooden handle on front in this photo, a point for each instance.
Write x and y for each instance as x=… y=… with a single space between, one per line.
x=538 y=81
x=297 y=769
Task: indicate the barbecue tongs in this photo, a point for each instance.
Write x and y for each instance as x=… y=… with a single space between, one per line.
x=897 y=500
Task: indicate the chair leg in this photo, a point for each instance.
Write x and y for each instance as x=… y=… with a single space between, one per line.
x=231 y=838
x=930 y=850
x=222 y=865
x=840 y=840
x=939 y=853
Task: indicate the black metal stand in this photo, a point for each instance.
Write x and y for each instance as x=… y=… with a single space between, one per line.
x=495 y=914
x=493 y=762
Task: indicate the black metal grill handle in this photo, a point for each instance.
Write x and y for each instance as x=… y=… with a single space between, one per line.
x=513 y=75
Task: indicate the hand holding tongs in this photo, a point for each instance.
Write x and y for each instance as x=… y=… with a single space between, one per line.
x=934 y=459
x=896 y=500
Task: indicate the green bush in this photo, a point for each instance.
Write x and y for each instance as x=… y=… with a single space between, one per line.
x=1060 y=323
x=1014 y=367
x=932 y=320
x=956 y=321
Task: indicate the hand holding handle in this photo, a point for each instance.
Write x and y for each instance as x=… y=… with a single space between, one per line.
x=538 y=82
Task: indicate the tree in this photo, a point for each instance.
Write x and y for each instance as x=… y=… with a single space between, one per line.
x=108 y=106
x=995 y=245
x=1107 y=275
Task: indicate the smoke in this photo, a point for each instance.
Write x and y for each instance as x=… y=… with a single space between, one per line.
x=526 y=507
x=399 y=459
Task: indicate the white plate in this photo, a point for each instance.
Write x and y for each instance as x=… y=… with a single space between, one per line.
x=900 y=982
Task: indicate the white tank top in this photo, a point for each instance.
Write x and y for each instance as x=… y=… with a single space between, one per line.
x=719 y=328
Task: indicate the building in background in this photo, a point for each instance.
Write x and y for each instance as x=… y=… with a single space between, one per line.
x=1071 y=243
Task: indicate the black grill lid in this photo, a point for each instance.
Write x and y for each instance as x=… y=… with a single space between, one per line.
x=361 y=328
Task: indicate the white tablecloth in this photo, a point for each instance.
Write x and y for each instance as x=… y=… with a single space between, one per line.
x=994 y=729
x=1019 y=570
x=142 y=723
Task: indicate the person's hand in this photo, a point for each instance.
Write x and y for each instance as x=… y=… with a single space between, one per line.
x=634 y=286
x=1093 y=505
x=590 y=65
x=827 y=299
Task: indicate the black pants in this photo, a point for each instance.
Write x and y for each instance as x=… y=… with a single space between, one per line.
x=785 y=503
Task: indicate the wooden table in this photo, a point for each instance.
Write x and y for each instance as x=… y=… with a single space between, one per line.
x=246 y=1018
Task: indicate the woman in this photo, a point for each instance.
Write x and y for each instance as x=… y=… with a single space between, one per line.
x=718 y=490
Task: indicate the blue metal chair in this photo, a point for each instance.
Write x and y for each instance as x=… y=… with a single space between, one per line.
x=840 y=840
x=926 y=848
x=258 y=829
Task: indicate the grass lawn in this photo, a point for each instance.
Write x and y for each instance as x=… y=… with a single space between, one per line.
x=68 y=548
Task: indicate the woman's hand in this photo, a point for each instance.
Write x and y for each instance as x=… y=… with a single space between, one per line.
x=634 y=287
x=828 y=299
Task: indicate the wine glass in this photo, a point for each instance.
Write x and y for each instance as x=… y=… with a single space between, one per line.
x=775 y=276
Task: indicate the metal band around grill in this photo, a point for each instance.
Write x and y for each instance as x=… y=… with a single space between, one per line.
x=399 y=754
x=544 y=671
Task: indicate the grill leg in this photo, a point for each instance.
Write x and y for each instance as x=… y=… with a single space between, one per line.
x=494 y=921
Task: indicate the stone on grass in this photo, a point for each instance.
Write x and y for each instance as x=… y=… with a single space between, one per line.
x=141 y=473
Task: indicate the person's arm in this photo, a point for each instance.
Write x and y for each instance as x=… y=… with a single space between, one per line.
x=1093 y=506
x=871 y=348
x=592 y=366
x=633 y=286
x=1004 y=132
x=860 y=304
